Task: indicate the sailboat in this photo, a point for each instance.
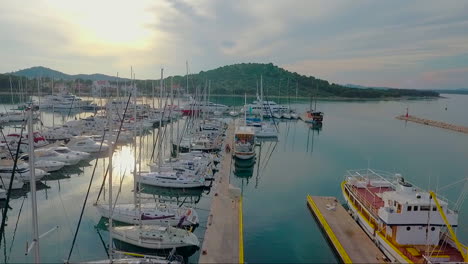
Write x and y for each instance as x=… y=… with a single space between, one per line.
x=265 y=130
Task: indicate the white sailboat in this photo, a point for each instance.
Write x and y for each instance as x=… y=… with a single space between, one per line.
x=151 y=214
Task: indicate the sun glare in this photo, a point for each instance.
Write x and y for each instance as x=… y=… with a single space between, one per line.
x=117 y=23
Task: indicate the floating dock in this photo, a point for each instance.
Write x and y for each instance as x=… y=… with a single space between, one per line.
x=433 y=123
x=223 y=242
x=349 y=241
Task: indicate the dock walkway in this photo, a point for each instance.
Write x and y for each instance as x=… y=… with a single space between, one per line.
x=223 y=241
x=348 y=239
x=433 y=123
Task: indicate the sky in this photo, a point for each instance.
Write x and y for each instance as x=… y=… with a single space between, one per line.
x=421 y=44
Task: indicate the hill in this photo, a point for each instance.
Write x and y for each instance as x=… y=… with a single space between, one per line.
x=43 y=72
x=242 y=78
x=234 y=79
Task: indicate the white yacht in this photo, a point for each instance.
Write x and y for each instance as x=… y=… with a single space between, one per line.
x=43 y=164
x=50 y=154
x=151 y=214
x=3 y=194
x=155 y=236
x=22 y=171
x=5 y=183
x=86 y=144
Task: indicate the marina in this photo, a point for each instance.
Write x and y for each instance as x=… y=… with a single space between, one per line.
x=228 y=209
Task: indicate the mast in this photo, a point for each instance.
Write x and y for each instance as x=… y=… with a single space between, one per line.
x=11 y=92
x=160 y=119
x=134 y=91
x=178 y=121
x=261 y=98
x=186 y=67
x=316 y=91
x=111 y=152
x=170 y=113
x=32 y=185
x=245 y=112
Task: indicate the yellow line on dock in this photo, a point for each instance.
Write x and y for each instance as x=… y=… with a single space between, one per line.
x=241 y=233
x=339 y=248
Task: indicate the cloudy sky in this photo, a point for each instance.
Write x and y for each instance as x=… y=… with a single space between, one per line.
x=399 y=43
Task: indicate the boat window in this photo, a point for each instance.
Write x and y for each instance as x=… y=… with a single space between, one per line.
x=434 y=208
x=415 y=208
x=432 y=228
x=408 y=228
x=425 y=208
x=409 y=208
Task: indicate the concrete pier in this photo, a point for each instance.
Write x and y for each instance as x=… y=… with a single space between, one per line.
x=433 y=123
x=349 y=241
x=223 y=242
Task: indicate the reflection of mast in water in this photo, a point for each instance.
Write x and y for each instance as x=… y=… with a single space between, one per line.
x=258 y=164
x=313 y=128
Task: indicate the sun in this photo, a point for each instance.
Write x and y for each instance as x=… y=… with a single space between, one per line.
x=113 y=23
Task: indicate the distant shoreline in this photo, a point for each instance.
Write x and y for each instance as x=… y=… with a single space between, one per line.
x=331 y=98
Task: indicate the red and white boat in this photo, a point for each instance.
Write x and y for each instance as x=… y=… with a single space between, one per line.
x=408 y=224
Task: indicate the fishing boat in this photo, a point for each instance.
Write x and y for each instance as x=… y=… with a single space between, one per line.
x=312 y=116
x=406 y=222
x=244 y=137
x=151 y=214
x=156 y=237
x=244 y=142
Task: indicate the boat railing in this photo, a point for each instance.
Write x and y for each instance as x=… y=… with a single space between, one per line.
x=375 y=174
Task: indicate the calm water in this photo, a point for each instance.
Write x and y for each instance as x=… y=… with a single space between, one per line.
x=277 y=224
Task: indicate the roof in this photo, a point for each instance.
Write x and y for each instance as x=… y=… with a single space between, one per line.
x=245 y=130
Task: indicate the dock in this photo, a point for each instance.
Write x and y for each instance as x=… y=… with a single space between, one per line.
x=349 y=241
x=223 y=242
x=433 y=123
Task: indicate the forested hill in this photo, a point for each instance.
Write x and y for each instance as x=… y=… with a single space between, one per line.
x=242 y=78
x=234 y=79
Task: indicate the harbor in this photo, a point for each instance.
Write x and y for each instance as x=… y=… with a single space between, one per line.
x=428 y=122
x=249 y=204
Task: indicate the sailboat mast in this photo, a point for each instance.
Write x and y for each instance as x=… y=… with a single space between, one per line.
x=32 y=185
x=134 y=91
x=178 y=121
x=261 y=98
x=11 y=92
x=186 y=67
x=316 y=91
x=170 y=113
x=111 y=152
x=245 y=112
x=160 y=119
